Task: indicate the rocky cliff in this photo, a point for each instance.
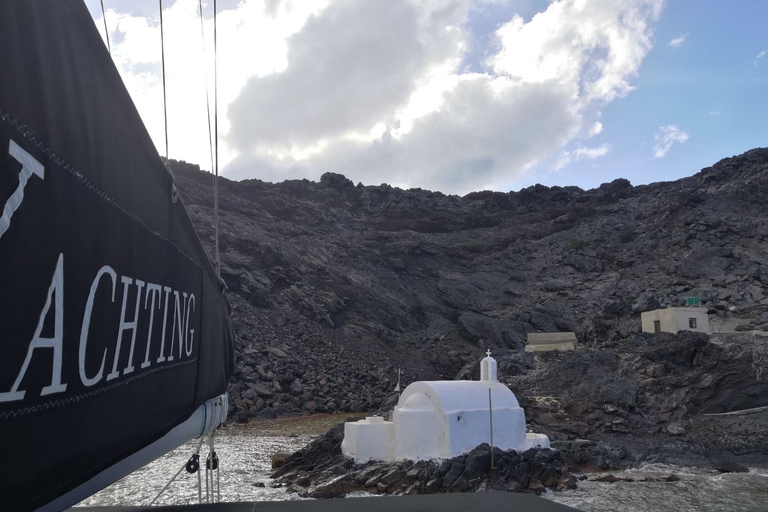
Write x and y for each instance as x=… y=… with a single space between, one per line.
x=336 y=285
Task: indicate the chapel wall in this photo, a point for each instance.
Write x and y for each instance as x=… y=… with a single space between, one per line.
x=474 y=428
x=418 y=434
x=369 y=439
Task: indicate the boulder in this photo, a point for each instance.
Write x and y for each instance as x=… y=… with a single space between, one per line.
x=730 y=466
x=261 y=390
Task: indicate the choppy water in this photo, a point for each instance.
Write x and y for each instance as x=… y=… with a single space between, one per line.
x=698 y=490
x=245 y=454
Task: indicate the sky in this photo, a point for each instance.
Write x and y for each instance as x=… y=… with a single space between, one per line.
x=450 y=95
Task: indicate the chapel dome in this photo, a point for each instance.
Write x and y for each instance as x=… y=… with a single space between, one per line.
x=458 y=395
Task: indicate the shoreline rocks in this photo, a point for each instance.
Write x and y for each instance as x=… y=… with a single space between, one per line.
x=321 y=471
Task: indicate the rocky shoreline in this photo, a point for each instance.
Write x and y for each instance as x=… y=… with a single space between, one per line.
x=321 y=471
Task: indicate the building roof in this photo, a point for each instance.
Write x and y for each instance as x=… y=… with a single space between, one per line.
x=679 y=309
x=456 y=395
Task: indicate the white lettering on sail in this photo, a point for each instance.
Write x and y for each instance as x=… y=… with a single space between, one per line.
x=165 y=320
x=56 y=289
x=178 y=322
x=154 y=290
x=124 y=326
x=106 y=269
x=134 y=326
x=190 y=332
x=183 y=308
x=29 y=166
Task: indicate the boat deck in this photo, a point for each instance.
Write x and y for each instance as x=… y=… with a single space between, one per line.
x=460 y=502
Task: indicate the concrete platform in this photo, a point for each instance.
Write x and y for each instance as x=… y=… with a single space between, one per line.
x=459 y=502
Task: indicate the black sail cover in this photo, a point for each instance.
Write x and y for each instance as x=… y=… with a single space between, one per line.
x=113 y=325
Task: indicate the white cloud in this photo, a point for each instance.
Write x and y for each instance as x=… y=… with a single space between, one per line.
x=665 y=138
x=580 y=154
x=459 y=148
x=135 y=41
x=714 y=112
x=596 y=129
x=595 y=45
x=350 y=68
x=760 y=56
x=678 y=40
x=376 y=90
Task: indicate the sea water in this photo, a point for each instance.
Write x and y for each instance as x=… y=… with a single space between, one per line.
x=245 y=454
x=698 y=490
x=245 y=460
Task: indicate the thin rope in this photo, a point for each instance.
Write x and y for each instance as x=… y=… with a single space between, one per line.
x=199 y=487
x=212 y=466
x=165 y=105
x=211 y=497
x=209 y=471
x=216 y=498
x=218 y=470
x=106 y=31
x=168 y=484
x=207 y=493
x=199 y=474
x=199 y=445
x=207 y=94
x=216 y=139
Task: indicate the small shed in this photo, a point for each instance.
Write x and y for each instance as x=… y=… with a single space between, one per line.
x=676 y=319
x=548 y=341
x=443 y=419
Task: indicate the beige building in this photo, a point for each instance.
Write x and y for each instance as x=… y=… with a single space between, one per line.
x=676 y=319
x=548 y=341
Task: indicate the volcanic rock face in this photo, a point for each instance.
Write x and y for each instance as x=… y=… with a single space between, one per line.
x=335 y=286
x=650 y=399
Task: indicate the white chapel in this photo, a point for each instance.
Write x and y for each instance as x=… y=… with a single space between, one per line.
x=442 y=419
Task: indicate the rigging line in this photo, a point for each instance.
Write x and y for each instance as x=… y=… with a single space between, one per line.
x=106 y=32
x=216 y=138
x=176 y=475
x=209 y=471
x=210 y=467
x=216 y=464
x=207 y=94
x=167 y=485
x=207 y=492
x=218 y=483
x=199 y=487
x=165 y=104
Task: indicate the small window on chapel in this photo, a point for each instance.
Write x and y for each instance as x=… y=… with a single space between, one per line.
x=692 y=323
